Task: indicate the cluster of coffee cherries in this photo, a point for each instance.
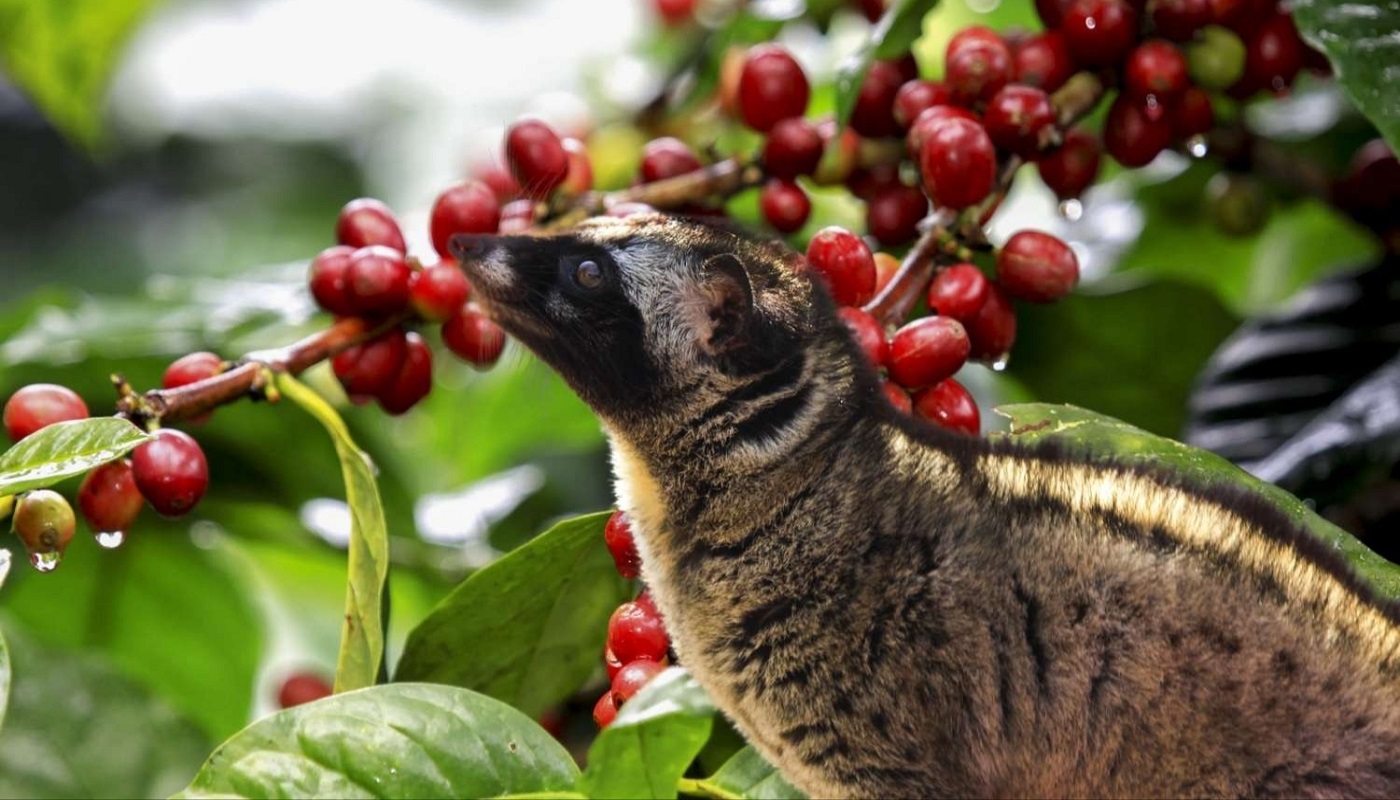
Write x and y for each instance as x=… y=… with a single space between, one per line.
x=169 y=472
x=638 y=646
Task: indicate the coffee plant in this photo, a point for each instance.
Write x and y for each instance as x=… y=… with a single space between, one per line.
x=1208 y=167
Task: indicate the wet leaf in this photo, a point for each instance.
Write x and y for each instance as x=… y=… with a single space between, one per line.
x=1359 y=39
x=63 y=450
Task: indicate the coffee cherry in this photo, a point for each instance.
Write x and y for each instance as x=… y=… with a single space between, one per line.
x=1099 y=33
x=992 y=330
x=667 y=157
x=498 y=179
x=1072 y=167
x=976 y=64
x=1155 y=67
x=892 y=215
x=927 y=350
x=474 y=338
x=950 y=406
x=866 y=182
x=376 y=281
x=436 y=292
x=873 y=112
x=467 y=207
x=1042 y=61
x=886 y=266
x=1179 y=20
x=1216 y=60
x=1370 y=189
x=414 y=380
x=370 y=369
x=1037 y=267
x=617 y=535
x=1191 y=114
x=300 y=688
x=631 y=678
x=580 y=177
x=784 y=205
x=868 y=334
x=1237 y=203
x=367 y=221
x=108 y=497
x=793 y=148
x=611 y=664
x=929 y=119
x=636 y=631
x=958 y=163
x=845 y=263
x=1020 y=120
x=1273 y=55
x=675 y=12
x=772 y=87
x=1051 y=12
x=897 y=397
x=958 y=292
x=40 y=405
x=605 y=710
x=536 y=157
x=170 y=471
x=1132 y=136
x=328 y=280
x=44 y=522
x=917 y=95
x=517 y=216
x=190 y=369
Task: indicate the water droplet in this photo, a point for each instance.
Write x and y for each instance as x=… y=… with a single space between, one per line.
x=4 y=566
x=46 y=562
x=111 y=539
x=1071 y=209
x=1196 y=146
x=1000 y=364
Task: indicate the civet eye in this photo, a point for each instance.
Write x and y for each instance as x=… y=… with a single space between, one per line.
x=588 y=274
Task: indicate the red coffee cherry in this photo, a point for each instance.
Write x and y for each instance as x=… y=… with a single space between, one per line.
x=370 y=369
x=636 y=631
x=1073 y=166
x=1155 y=67
x=536 y=157
x=1020 y=120
x=170 y=471
x=976 y=64
x=40 y=405
x=1042 y=61
x=950 y=406
x=930 y=118
x=605 y=710
x=617 y=535
x=1132 y=136
x=916 y=96
x=436 y=292
x=191 y=369
x=1099 y=33
x=992 y=330
x=108 y=497
x=1273 y=55
x=784 y=205
x=958 y=292
x=897 y=397
x=793 y=148
x=927 y=350
x=611 y=664
x=466 y=207
x=498 y=179
x=580 y=177
x=958 y=163
x=866 y=182
x=1037 y=267
x=845 y=263
x=892 y=215
x=1191 y=114
x=868 y=334
x=873 y=112
x=886 y=266
x=376 y=281
x=631 y=678
x=1370 y=189
x=367 y=221
x=1051 y=12
x=415 y=378
x=300 y=688
x=772 y=87
x=675 y=13
x=474 y=338
x=1179 y=20
x=328 y=280
x=667 y=157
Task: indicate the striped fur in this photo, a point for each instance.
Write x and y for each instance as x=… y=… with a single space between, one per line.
x=887 y=609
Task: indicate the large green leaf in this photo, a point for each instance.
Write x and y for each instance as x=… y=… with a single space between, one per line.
x=401 y=741
x=1361 y=42
x=529 y=628
x=65 y=449
x=78 y=728
x=745 y=775
x=1106 y=437
x=647 y=749
x=1132 y=353
x=362 y=640
x=891 y=38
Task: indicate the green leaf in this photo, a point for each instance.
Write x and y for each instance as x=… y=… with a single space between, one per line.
x=79 y=728
x=61 y=52
x=1106 y=437
x=746 y=775
x=65 y=449
x=400 y=741
x=533 y=622
x=1132 y=353
x=891 y=38
x=362 y=639
x=1359 y=39
x=647 y=749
